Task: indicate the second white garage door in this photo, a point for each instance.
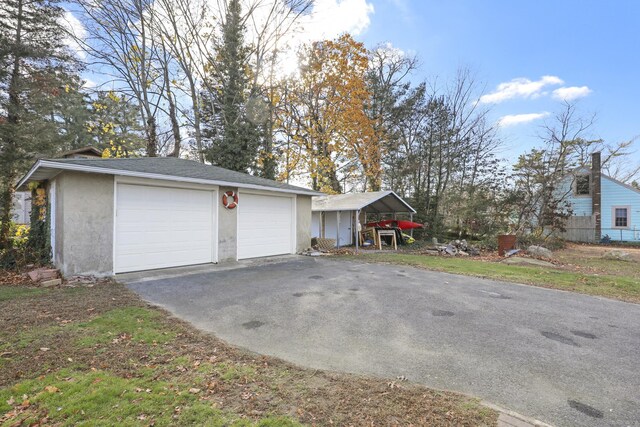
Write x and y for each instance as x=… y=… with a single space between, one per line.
x=265 y=225
x=158 y=227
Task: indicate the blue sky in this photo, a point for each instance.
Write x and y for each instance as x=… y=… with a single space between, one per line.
x=591 y=46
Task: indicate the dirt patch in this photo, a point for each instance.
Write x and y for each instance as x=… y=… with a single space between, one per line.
x=589 y=259
x=75 y=329
x=597 y=251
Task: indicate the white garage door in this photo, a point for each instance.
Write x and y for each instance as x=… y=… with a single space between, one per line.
x=265 y=225
x=158 y=227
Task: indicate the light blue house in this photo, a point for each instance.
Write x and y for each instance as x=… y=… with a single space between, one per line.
x=602 y=206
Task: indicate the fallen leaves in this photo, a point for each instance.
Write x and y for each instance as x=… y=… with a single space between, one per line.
x=51 y=389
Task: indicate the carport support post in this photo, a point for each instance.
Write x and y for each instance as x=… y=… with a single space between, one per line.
x=337 y=229
x=357 y=230
x=411 y=219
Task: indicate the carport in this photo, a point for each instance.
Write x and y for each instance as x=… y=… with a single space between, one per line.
x=340 y=214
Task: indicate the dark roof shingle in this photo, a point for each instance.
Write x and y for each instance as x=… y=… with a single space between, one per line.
x=171 y=166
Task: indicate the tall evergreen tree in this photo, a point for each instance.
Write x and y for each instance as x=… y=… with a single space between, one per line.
x=36 y=69
x=74 y=115
x=234 y=138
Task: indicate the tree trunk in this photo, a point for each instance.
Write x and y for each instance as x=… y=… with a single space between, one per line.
x=196 y=118
x=10 y=144
x=175 y=125
x=6 y=204
x=152 y=137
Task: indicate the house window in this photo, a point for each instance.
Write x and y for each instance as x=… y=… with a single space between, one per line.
x=621 y=217
x=583 y=185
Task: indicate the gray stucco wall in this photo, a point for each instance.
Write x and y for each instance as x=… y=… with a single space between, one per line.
x=227 y=229
x=84 y=223
x=303 y=222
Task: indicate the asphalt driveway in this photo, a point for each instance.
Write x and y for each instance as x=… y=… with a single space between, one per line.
x=563 y=358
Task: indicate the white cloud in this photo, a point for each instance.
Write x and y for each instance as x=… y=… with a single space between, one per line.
x=88 y=83
x=327 y=20
x=571 y=93
x=72 y=25
x=520 y=88
x=516 y=119
x=330 y=18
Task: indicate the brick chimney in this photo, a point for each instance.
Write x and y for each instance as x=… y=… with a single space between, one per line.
x=596 y=194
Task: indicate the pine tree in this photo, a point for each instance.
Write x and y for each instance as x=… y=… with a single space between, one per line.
x=36 y=69
x=74 y=115
x=234 y=137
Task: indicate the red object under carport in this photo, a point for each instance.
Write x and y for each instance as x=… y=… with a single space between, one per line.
x=392 y=223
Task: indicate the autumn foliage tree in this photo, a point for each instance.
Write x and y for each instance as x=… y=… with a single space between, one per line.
x=322 y=117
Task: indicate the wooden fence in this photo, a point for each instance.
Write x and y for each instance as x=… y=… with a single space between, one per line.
x=580 y=229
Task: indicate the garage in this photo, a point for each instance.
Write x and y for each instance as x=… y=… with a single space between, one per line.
x=112 y=216
x=159 y=227
x=266 y=225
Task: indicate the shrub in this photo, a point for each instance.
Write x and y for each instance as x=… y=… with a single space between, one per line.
x=16 y=254
x=30 y=244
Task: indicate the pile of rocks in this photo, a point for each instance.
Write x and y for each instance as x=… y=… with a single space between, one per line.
x=539 y=251
x=617 y=255
x=315 y=251
x=88 y=281
x=46 y=277
x=458 y=248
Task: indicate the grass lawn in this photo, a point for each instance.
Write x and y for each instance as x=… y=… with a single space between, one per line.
x=100 y=356
x=612 y=279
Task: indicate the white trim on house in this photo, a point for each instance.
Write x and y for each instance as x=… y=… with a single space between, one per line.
x=163 y=183
x=52 y=220
x=613 y=217
x=294 y=225
x=216 y=223
x=115 y=222
x=237 y=208
x=120 y=172
x=359 y=201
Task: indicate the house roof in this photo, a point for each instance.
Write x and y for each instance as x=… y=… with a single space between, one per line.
x=88 y=151
x=373 y=202
x=164 y=168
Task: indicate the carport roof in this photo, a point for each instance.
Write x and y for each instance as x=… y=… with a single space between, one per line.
x=164 y=168
x=373 y=202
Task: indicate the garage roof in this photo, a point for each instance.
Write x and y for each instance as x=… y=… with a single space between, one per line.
x=373 y=202
x=165 y=168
